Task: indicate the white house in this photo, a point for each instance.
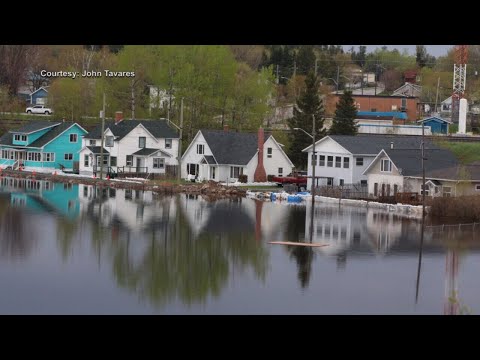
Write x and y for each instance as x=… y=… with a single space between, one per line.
x=342 y=159
x=408 y=89
x=130 y=146
x=223 y=155
x=400 y=170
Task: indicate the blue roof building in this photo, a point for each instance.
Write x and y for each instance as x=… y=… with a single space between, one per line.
x=437 y=124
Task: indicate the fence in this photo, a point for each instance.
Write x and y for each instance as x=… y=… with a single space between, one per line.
x=453 y=227
x=346 y=191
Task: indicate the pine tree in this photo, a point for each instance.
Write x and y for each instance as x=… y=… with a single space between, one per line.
x=308 y=103
x=345 y=114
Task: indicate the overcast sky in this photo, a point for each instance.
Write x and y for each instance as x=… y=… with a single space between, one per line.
x=435 y=50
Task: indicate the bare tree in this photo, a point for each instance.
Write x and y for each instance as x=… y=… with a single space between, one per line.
x=14 y=61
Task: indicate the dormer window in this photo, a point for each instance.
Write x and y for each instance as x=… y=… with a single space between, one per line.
x=386 y=166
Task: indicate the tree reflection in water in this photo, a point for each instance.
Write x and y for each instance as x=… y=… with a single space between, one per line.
x=303 y=255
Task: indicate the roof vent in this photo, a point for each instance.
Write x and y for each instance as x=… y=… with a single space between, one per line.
x=391 y=145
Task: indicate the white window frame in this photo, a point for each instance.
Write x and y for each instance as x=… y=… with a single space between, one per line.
x=382 y=165
x=280 y=171
x=144 y=142
x=200 y=149
x=321 y=160
x=477 y=187
x=159 y=163
x=445 y=192
x=109 y=141
x=93 y=143
x=24 y=138
x=75 y=136
x=129 y=162
x=68 y=156
x=269 y=152
x=86 y=160
x=16 y=137
x=48 y=157
x=346 y=162
x=233 y=171
x=330 y=162
x=359 y=161
x=168 y=143
x=338 y=164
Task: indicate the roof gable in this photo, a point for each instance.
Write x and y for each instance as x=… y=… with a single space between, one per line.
x=34 y=126
x=231 y=147
x=436 y=119
x=157 y=128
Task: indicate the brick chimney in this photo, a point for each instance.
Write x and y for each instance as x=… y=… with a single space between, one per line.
x=225 y=128
x=260 y=174
x=118 y=117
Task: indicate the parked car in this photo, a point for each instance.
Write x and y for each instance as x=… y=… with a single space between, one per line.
x=296 y=178
x=39 y=109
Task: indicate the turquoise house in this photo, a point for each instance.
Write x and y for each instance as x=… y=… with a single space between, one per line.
x=437 y=124
x=42 y=145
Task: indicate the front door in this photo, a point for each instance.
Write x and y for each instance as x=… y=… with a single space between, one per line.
x=139 y=164
x=212 y=172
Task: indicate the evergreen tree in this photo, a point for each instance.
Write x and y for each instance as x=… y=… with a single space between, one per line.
x=308 y=103
x=345 y=114
x=305 y=59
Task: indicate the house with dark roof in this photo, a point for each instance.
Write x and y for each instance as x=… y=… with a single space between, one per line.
x=342 y=159
x=42 y=145
x=400 y=170
x=224 y=155
x=437 y=124
x=130 y=146
x=39 y=96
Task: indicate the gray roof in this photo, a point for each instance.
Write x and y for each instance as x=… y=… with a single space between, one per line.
x=439 y=163
x=96 y=149
x=35 y=125
x=373 y=144
x=158 y=128
x=6 y=139
x=231 y=147
x=435 y=118
x=148 y=152
x=210 y=159
x=50 y=135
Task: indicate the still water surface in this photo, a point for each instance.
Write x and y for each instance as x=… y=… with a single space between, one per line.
x=75 y=249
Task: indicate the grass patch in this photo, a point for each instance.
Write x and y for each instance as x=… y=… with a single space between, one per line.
x=169 y=182
x=465 y=152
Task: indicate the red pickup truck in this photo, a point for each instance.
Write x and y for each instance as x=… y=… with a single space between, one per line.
x=298 y=178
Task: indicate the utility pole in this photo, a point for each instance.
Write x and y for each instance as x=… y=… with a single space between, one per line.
x=179 y=172
x=436 y=98
x=133 y=100
x=423 y=169
x=338 y=76
x=316 y=66
x=312 y=190
x=361 y=81
x=102 y=137
x=278 y=79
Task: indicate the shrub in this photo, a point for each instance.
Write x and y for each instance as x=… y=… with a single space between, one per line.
x=243 y=178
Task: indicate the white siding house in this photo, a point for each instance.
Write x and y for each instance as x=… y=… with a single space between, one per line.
x=342 y=159
x=225 y=155
x=130 y=146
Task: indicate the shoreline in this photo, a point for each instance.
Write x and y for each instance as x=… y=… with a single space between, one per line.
x=210 y=188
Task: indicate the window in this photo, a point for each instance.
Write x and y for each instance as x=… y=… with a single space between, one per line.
x=67 y=186
x=16 y=137
x=68 y=157
x=356 y=237
x=34 y=156
x=73 y=138
x=113 y=161
x=330 y=181
x=338 y=161
x=109 y=141
x=404 y=104
x=105 y=160
x=85 y=191
x=269 y=152
x=346 y=163
x=375 y=189
x=280 y=171
x=427 y=190
x=322 y=160
x=94 y=142
x=388 y=190
x=447 y=191
x=341 y=182
x=359 y=161
x=330 y=161
x=373 y=110
x=200 y=148
x=50 y=157
x=142 y=140
x=395 y=190
x=236 y=171
x=363 y=182
x=477 y=187
x=24 y=137
x=386 y=165
x=383 y=189
x=168 y=143
x=158 y=163
x=314 y=160
x=129 y=160
x=85 y=160
x=192 y=169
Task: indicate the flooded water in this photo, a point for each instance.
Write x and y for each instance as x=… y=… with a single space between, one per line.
x=75 y=249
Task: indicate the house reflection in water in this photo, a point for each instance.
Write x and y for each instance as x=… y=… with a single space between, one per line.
x=40 y=195
x=357 y=229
